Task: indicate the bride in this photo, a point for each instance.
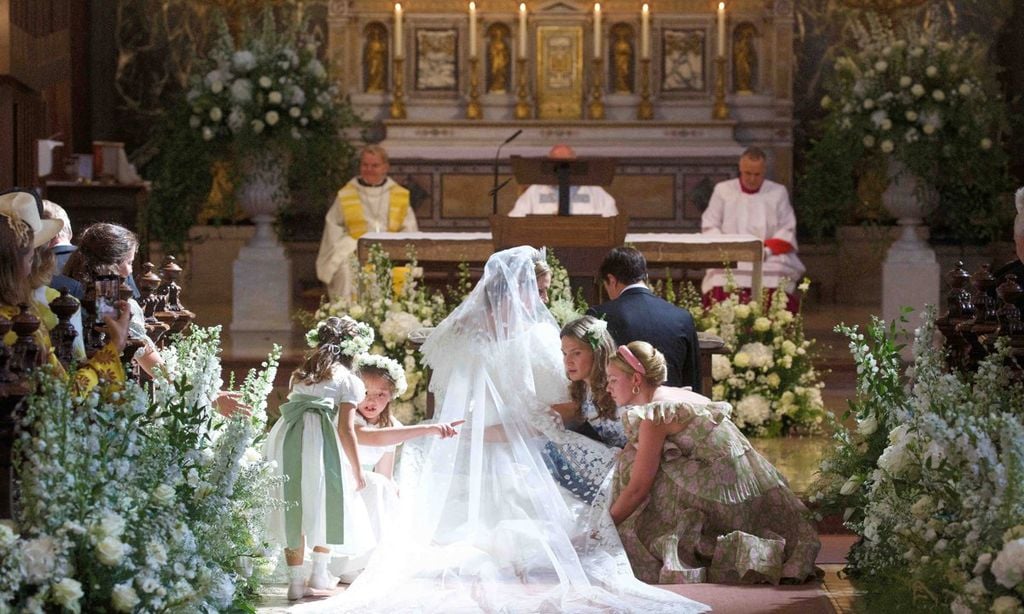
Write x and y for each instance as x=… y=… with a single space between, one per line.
x=482 y=525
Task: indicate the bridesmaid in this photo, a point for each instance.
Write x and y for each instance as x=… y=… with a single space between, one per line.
x=693 y=501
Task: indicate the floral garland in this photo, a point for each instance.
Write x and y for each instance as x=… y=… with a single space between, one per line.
x=389 y=365
x=359 y=343
x=931 y=478
x=132 y=505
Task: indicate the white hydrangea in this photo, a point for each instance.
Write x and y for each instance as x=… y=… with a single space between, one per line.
x=721 y=367
x=1008 y=566
x=396 y=327
x=753 y=410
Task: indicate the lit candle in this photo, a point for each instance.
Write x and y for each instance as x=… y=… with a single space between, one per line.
x=645 y=32
x=522 y=30
x=472 y=29
x=721 y=29
x=398 y=30
x=597 y=29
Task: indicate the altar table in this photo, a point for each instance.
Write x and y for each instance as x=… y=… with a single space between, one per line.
x=665 y=249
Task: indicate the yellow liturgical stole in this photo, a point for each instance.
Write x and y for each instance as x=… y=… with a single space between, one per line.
x=352 y=210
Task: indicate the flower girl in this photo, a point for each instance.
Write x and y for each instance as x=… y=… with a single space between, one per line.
x=316 y=424
x=379 y=434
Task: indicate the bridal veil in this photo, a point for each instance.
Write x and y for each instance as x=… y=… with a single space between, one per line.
x=482 y=524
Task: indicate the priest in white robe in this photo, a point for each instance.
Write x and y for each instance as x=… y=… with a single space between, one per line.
x=751 y=204
x=371 y=202
x=583 y=199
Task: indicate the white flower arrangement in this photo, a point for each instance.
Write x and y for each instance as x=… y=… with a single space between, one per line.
x=595 y=332
x=938 y=499
x=395 y=371
x=132 y=505
x=767 y=372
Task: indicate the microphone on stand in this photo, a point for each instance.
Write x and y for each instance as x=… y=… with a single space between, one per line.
x=496 y=188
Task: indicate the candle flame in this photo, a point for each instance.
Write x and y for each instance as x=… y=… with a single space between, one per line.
x=645 y=9
x=522 y=7
x=472 y=6
x=721 y=6
x=398 y=7
x=597 y=7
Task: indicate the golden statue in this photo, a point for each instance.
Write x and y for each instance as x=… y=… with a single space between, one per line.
x=622 y=53
x=498 y=56
x=744 y=58
x=375 y=56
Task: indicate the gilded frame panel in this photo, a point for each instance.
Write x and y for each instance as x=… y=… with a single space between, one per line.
x=437 y=63
x=684 y=60
x=559 y=72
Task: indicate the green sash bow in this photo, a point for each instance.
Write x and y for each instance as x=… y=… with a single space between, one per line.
x=292 y=413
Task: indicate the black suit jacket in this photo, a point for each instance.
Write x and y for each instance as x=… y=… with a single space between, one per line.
x=639 y=315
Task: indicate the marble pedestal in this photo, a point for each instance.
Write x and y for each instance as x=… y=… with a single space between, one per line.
x=910 y=278
x=262 y=288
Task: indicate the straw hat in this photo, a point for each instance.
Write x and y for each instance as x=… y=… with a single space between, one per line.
x=23 y=205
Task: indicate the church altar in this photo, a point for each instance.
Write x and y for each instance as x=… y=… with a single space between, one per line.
x=660 y=249
x=673 y=93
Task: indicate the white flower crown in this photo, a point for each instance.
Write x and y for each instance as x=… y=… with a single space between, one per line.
x=394 y=370
x=594 y=332
x=359 y=343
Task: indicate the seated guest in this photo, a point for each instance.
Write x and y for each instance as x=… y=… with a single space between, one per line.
x=371 y=202
x=693 y=501
x=22 y=232
x=583 y=199
x=109 y=249
x=62 y=249
x=753 y=205
x=636 y=314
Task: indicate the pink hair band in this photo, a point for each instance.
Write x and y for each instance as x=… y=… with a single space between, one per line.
x=631 y=359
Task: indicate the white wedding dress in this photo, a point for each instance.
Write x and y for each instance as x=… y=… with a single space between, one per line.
x=482 y=525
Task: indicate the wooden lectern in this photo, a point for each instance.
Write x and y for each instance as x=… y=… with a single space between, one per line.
x=580 y=241
x=563 y=173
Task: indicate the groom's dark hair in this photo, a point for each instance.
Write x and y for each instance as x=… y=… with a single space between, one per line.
x=625 y=264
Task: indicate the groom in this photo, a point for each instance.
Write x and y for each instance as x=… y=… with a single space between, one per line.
x=636 y=314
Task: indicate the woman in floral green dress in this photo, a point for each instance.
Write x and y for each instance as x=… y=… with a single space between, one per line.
x=693 y=501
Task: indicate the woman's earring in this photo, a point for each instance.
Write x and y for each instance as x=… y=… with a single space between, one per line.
x=636 y=390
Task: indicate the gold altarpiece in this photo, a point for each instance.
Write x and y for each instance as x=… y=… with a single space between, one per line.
x=675 y=114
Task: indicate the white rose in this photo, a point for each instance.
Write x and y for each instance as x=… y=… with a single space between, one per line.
x=67 y=592
x=271 y=118
x=868 y=140
x=868 y=104
x=986 y=143
x=110 y=551
x=742 y=311
x=964 y=89
x=274 y=97
x=886 y=124
x=295 y=111
x=931 y=71
x=826 y=102
x=163 y=494
x=887 y=146
x=881 y=65
x=257 y=126
x=207 y=133
x=773 y=380
x=38 y=557
x=216 y=114
x=265 y=82
x=124 y=597
x=905 y=81
x=762 y=324
x=917 y=90
x=928 y=129
x=1008 y=567
x=911 y=116
x=111 y=524
x=194 y=121
x=741 y=360
x=1007 y=604
x=938 y=95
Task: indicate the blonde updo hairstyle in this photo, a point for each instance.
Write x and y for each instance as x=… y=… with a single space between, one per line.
x=652 y=360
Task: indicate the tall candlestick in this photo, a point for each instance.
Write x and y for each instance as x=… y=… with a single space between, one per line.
x=398 y=29
x=522 y=30
x=645 y=32
x=721 y=29
x=472 y=29
x=597 y=29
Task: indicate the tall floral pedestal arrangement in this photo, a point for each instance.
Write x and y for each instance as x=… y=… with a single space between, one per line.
x=910 y=272
x=262 y=280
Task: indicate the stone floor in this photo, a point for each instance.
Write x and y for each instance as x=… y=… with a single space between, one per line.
x=796 y=457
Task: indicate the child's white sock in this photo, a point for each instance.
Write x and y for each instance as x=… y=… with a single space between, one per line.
x=320 y=579
x=296 y=583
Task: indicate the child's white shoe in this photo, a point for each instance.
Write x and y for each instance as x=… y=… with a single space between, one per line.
x=297 y=588
x=321 y=579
